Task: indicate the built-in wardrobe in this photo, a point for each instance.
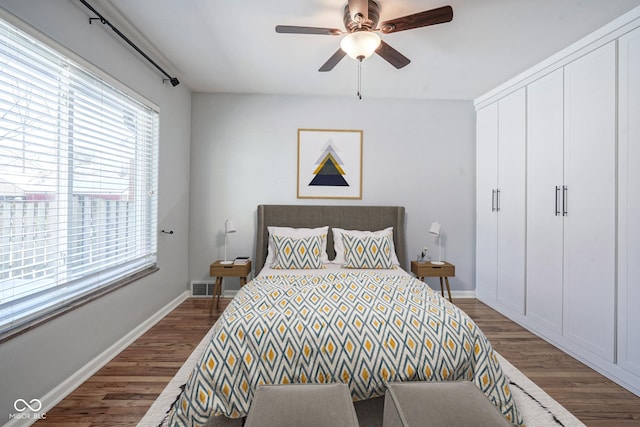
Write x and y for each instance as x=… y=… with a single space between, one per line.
x=558 y=200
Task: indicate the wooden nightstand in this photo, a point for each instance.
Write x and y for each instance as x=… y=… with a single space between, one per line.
x=219 y=271
x=426 y=269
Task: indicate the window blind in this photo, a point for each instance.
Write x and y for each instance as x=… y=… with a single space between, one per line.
x=78 y=179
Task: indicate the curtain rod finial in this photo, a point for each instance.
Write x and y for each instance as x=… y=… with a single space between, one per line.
x=173 y=80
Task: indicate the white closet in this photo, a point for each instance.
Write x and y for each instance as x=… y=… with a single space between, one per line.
x=486 y=217
x=558 y=202
x=590 y=201
x=501 y=201
x=545 y=214
x=629 y=203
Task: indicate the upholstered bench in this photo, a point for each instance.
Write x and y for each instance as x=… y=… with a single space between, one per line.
x=442 y=404
x=309 y=405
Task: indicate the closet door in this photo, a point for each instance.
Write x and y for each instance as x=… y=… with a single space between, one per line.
x=511 y=200
x=590 y=224
x=629 y=203
x=545 y=139
x=486 y=215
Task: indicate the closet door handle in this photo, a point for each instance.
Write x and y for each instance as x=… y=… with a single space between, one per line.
x=493 y=200
x=565 y=200
x=497 y=200
x=557 y=211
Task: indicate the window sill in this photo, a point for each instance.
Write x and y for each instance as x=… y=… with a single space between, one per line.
x=76 y=303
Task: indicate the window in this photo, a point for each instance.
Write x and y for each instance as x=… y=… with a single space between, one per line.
x=78 y=177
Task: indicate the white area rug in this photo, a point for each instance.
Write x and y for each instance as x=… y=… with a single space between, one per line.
x=537 y=408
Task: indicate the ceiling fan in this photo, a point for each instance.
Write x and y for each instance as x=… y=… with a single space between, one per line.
x=361 y=24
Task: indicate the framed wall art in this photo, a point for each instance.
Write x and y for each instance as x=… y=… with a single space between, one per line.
x=329 y=164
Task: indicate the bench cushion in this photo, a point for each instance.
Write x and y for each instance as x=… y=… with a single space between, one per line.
x=430 y=404
x=309 y=405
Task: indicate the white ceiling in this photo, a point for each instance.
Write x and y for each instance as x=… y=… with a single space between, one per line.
x=231 y=45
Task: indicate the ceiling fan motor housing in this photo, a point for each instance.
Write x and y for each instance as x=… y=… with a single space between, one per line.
x=369 y=24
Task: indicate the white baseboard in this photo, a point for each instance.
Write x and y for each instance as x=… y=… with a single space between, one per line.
x=229 y=293
x=65 y=388
x=463 y=294
x=455 y=294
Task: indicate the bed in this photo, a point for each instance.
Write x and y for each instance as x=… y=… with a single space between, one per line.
x=324 y=323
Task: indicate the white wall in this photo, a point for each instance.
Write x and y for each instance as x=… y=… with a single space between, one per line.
x=418 y=154
x=34 y=363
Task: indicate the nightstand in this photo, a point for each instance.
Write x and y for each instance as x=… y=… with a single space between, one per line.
x=220 y=271
x=426 y=269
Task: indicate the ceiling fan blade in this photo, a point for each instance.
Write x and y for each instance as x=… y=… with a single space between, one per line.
x=392 y=56
x=292 y=29
x=333 y=61
x=359 y=7
x=421 y=19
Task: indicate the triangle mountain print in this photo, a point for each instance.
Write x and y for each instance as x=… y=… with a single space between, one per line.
x=329 y=172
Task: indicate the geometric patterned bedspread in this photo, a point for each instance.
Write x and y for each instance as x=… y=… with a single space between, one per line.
x=358 y=328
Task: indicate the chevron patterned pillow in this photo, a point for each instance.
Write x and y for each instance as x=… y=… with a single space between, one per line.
x=367 y=252
x=298 y=253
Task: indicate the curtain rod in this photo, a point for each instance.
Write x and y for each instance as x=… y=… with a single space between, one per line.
x=173 y=80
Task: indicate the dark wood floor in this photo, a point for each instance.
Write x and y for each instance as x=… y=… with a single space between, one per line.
x=121 y=392
x=592 y=398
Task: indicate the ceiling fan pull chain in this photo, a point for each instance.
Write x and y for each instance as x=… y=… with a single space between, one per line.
x=360 y=79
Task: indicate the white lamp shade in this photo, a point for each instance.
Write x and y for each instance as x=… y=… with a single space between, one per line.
x=229 y=227
x=435 y=228
x=360 y=45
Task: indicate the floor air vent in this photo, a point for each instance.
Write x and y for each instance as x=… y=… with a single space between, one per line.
x=202 y=289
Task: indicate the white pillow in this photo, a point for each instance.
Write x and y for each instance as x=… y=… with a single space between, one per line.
x=338 y=244
x=297 y=233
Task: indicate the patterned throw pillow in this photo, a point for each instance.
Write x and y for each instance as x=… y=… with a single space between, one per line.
x=298 y=253
x=297 y=233
x=339 y=245
x=367 y=252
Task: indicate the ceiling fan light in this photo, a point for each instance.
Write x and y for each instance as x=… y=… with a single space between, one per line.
x=360 y=45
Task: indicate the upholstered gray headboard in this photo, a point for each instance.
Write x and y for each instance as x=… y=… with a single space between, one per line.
x=370 y=218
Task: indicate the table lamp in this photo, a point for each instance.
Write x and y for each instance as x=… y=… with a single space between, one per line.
x=435 y=230
x=228 y=229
